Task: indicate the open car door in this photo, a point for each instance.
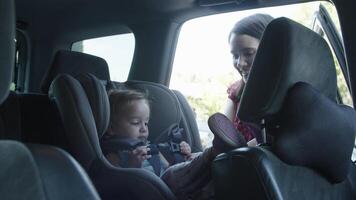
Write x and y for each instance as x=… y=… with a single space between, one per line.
x=324 y=25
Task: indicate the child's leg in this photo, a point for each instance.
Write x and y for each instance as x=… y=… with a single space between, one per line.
x=186 y=179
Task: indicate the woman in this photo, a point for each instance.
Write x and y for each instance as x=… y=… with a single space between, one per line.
x=244 y=39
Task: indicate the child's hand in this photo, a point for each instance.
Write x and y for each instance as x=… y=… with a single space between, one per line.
x=185 y=149
x=137 y=156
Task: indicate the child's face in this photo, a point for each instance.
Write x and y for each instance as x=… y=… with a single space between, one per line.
x=132 y=121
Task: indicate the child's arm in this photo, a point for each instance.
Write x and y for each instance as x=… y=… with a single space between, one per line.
x=137 y=156
x=131 y=159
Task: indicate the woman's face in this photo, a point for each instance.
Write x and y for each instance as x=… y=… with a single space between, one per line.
x=243 y=49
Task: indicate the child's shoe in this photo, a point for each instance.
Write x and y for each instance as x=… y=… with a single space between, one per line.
x=226 y=137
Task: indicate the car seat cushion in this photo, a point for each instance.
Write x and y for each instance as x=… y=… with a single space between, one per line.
x=316 y=132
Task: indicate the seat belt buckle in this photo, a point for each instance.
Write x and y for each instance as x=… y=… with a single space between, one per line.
x=174 y=147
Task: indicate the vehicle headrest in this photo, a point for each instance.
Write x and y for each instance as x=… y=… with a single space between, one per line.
x=165 y=108
x=316 y=132
x=288 y=53
x=7 y=43
x=98 y=100
x=74 y=63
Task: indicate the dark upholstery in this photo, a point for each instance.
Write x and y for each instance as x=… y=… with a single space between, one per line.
x=10 y=118
x=292 y=86
x=31 y=118
x=279 y=64
x=98 y=101
x=256 y=173
x=311 y=158
x=189 y=121
x=74 y=63
x=78 y=120
x=7 y=44
x=80 y=125
x=37 y=172
x=40 y=120
x=310 y=123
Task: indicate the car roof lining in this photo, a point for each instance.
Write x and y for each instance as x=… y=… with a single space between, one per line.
x=61 y=18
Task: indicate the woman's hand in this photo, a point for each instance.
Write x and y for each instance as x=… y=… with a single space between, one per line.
x=185 y=149
x=137 y=156
x=233 y=92
x=237 y=87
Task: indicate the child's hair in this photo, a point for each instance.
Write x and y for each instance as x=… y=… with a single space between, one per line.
x=120 y=99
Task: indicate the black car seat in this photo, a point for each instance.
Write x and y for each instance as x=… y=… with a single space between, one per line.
x=85 y=113
x=33 y=171
x=292 y=90
x=189 y=121
x=166 y=108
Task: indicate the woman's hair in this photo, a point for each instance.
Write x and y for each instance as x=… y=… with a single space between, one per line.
x=119 y=99
x=253 y=25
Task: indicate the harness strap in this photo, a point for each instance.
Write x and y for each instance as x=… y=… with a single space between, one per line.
x=156 y=164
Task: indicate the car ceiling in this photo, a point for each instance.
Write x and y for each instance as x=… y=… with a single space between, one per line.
x=62 y=16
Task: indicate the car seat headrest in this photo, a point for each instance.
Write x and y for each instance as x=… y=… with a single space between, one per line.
x=7 y=43
x=74 y=63
x=98 y=100
x=316 y=132
x=288 y=53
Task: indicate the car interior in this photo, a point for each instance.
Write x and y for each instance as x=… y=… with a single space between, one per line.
x=55 y=109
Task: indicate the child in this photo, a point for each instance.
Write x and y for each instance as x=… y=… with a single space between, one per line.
x=130 y=113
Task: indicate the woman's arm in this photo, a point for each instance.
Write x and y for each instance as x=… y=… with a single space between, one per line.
x=230 y=109
x=233 y=92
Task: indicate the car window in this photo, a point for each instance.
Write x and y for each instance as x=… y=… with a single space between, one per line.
x=117 y=50
x=202 y=67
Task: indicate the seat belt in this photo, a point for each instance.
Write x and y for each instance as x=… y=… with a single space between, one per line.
x=155 y=161
x=173 y=134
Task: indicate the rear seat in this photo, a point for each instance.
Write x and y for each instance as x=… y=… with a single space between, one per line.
x=31 y=118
